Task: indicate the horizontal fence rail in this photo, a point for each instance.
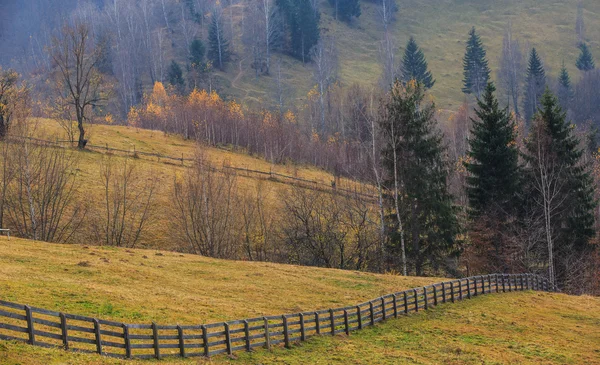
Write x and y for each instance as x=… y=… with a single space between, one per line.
x=41 y=327
x=353 y=190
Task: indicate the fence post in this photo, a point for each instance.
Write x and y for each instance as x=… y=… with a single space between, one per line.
x=416 y=300
x=452 y=291
x=98 y=337
x=460 y=291
x=227 y=337
x=267 y=336
x=359 y=315
x=425 y=298
x=181 y=341
x=127 y=341
x=443 y=292
x=30 y=329
x=435 y=301
x=302 y=332
x=405 y=302
x=489 y=283
x=475 y=285
x=346 y=323
x=395 y=298
x=155 y=337
x=503 y=283
x=496 y=284
x=317 y=323
x=286 y=333
x=332 y=322
x=521 y=278
x=63 y=328
x=383 y=308
x=205 y=340
x=371 y=313
x=468 y=289
x=247 y=334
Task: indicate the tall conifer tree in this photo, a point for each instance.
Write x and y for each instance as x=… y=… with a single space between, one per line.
x=560 y=187
x=475 y=65
x=585 y=62
x=494 y=180
x=414 y=154
x=565 y=88
x=535 y=84
x=414 y=65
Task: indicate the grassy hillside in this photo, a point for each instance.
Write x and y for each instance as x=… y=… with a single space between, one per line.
x=140 y=140
x=141 y=286
x=441 y=28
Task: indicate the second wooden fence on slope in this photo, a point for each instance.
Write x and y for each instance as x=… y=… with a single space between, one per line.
x=47 y=328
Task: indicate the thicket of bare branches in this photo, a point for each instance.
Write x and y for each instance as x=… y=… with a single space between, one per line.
x=128 y=206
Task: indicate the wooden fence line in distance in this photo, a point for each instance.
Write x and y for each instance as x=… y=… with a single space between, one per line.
x=285 y=179
x=41 y=327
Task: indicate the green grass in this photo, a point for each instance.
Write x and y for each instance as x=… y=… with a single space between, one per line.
x=441 y=28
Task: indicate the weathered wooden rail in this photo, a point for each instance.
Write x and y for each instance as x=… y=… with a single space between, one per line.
x=48 y=328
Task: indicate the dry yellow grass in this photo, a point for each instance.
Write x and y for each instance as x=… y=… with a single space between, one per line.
x=167 y=287
x=141 y=285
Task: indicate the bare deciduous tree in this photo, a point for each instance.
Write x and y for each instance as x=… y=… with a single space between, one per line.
x=324 y=57
x=78 y=81
x=205 y=211
x=512 y=69
x=42 y=201
x=128 y=203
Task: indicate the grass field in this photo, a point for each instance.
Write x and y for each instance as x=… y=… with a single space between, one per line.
x=441 y=28
x=140 y=286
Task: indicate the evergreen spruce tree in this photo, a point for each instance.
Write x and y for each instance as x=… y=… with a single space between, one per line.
x=197 y=51
x=494 y=181
x=414 y=65
x=218 y=45
x=475 y=65
x=414 y=153
x=535 y=84
x=565 y=88
x=302 y=24
x=560 y=187
x=585 y=62
x=346 y=9
x=175 y=76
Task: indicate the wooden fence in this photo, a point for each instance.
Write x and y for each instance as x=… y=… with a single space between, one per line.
x=47 y=328
x=359 y=190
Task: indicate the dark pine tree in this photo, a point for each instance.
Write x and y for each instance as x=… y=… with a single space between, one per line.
x=475 y=65
x=218 y=45
x=414 y=65
x=494 y=180
x=565 y=88
x=175 y=76
x=535 y=84
x=346 y=9
x=302 y=25
x=414 y=151
x=197 y=51
x=585 y=62
x=555 y=165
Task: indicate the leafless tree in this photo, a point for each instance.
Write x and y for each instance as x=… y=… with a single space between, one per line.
x=549 y=183
x=512 y=68
x=129 y=205
x=580 y=23
x=258 y=224
x=42 y=201
x=78 y=79
x=205 y=208
x=325 y=65
x=8 y=96
x=387 y=56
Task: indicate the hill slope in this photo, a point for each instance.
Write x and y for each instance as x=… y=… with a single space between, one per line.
x=140 y=286
x=441 y=28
